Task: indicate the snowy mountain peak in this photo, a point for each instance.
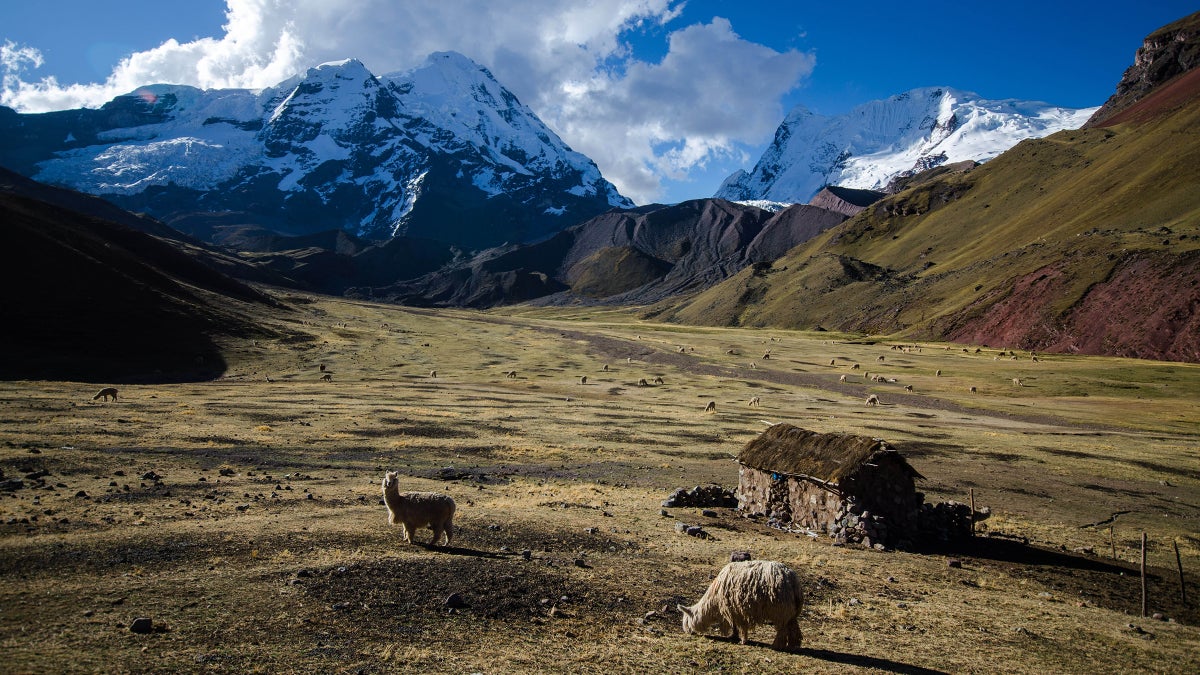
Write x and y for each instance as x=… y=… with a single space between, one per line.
x=443 y=151
x=875 y=142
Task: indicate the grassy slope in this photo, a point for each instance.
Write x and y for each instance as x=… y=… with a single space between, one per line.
x=1083 y=198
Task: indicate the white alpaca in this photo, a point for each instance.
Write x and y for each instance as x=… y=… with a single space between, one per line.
x=1017 y=382
x=746 y=594
x=658 y=380
x=842 y=378
x=872 y=400
x=754 y=401
x=413 y=510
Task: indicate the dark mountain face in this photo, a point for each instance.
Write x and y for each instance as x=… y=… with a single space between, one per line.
x=443 y=152
x=621 y=257
x=90 y=299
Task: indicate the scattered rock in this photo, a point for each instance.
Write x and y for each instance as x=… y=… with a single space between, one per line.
x=696 y=531
x=227 y=472
x=12 y=485
x=854 y=602
x=708 y=513
x=82 y=494
x=142 y=625
x=1158 y=616
x=740 y=556
x=526 y=554
x=579 y=562
x=681 y=527
x=663 y=513
x=954 y=562
x=150 y=475
x=455 y=601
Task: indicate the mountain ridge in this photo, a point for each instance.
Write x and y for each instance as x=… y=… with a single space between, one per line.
x=1084 y=241
x=440 y=151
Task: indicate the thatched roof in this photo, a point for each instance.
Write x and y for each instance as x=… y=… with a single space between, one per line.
x=790 y=450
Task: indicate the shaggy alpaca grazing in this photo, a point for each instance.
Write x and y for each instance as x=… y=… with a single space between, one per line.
x=755 y=401
x=105 y=393
x=658 y=380
x=412 y=510
x=872 y=400
x=746 y=594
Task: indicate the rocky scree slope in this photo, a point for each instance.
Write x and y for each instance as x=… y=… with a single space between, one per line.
x=633 y=256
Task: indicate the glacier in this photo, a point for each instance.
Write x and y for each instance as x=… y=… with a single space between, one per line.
x=878 y=141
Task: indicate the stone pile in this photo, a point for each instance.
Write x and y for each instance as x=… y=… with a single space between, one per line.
x=700 y=496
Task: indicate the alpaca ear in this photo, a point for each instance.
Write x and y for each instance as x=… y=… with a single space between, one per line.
x=682 y=609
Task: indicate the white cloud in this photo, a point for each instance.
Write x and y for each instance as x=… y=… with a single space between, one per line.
x=569 y=61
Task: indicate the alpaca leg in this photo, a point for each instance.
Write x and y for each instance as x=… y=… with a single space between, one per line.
x=406 y=533
x=794 y=635
x=449 y=529
x=781 y=636
x=437 y=535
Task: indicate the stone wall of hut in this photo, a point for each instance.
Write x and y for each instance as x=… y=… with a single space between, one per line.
x=877 y=506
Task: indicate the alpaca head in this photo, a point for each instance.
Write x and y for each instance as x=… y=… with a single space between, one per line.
x=391 y=480
x=689 y=619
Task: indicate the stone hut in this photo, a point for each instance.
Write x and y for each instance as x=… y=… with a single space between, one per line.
x=856 y=489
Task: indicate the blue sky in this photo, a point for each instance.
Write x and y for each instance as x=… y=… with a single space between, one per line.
x=667 y=97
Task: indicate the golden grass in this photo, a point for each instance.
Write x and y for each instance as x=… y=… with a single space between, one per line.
x=263 y=546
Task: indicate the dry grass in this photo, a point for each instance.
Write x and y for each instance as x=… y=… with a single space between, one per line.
x=263 y=547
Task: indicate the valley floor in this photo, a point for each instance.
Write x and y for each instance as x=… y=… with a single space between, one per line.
x=243 y=515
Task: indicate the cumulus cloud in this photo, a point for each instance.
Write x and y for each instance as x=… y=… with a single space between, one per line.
x=571 y=62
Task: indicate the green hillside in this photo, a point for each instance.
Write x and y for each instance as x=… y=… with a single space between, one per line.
x=1016 y=252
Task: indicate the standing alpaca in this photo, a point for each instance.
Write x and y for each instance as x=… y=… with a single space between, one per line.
x=412 y=510
x=746 y=594
x=105 y=393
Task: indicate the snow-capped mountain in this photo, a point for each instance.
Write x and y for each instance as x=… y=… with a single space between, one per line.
x=881 y=140
x=442 y=151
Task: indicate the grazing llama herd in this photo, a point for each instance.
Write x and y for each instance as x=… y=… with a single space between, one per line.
x=744 y=594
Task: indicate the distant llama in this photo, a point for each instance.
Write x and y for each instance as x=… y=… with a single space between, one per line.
x=711 y=407
x=872 y=400
x=105 y=393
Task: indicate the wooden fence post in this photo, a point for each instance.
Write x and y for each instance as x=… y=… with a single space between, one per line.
x=1144 y=574
x=971 y=495
x=1179 y=564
